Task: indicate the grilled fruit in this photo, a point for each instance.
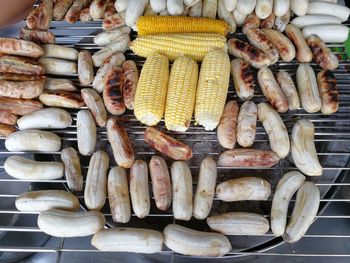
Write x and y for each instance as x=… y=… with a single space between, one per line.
x=322 y=55
x=19 y=106
x=243 y=79
x=113 y=91
x=247 y=158
x=19 y=65
x=21 y=89
x=327 y=85
x=72 y=169
x=86 y=132
x=282 y=21
x=286 y=83
x=56 y=66
x=8 y=118
x=246 y=126
x=59 y=84
x=303 y=52
x=41 y=16
x=61 y=99
x=95 y=104
x=85 y=68
x=6 y=130
x=226 y=131
x=251 y=22
x=37 y=36
x=18 y=47
x=131 y=77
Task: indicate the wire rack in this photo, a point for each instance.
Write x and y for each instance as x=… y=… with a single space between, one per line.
x=332 y=138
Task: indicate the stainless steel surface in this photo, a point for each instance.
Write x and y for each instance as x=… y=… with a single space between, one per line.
x=332 y=141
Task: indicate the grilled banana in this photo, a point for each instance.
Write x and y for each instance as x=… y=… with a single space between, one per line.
x=303 y=52
x=247 y=158
x=86 y=132
x=60 y=98
x=56 y=66
x=72 y=169
x=327 y=85
x=282 y=21
x=287 y=85
x=243 y=79
x=246 y=126
x=95 y=104
x=226 y=130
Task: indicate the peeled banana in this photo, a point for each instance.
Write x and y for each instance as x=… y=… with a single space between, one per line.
x=86 y=132
x=72 y=169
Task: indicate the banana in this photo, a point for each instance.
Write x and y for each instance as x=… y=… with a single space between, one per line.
x=33 y=140
x=246 y=7
x=61 y=99
x=182 y=190
x=205 y=191
x=195 y=243
x=328 y=33
x=308 y=89
x=327 y=85
x=61 y=223
x=268 y=22
x=226 y=131
x=26 y=169
x=243 y=79
x=95 y=104
x=324 y=8
x=303 y=148
x=304 y=212
x=263 y=8
x=299 y=7
x=247 y=158
x=126 y=239
x=48 y=118
x=282 y=21
x=56 y=66
x=246 y=126
x=281 y=7
x=244 y=188
x=139 y=192
x=303 y=52
x=118 y=195
x=226 y=15
x=251 y=22
x=86 y=132
x=72 y=169
x=96 y=181
x=59 y=84
x=38 y=201
x=239 y=17
x=286 y=187
x=275 y=129
x=239 y=223
x=309 y=20
x=286 y=83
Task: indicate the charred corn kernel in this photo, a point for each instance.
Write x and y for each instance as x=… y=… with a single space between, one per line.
x=212 y=88
x=181 y=94
x=149 y=25
x=194 y=45
x=151 y=90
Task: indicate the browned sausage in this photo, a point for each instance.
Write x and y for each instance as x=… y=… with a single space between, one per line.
x=322 y=55
x=113 y=92
x=131 y=77
x=19 y=106
x=41 y=16
x=327 y=84
x=248 y=158
x=37 y=36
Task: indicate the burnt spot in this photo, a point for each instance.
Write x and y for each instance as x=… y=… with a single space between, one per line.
x=240 y=45
x=101 y=3
x=246 y=74
x=330 y=85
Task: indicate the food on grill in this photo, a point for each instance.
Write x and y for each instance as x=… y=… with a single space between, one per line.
x=194 y=45
x=322 y=55
x=37 y=36
x=299 y=7
x=107 y=37
x=263 y=8
x=19 y=65
x=244 y=188
x=33 y=140
x=195 y=243
x=327 y=85
x=113 y=91
x=248 y=53
x=275 y=129
x=328 y=33
x=120 y=143
x=284 y=46
x=41 y=16
x=182 y=190
x=19 y=106
x=282 y=21
x=86 y=132
x=97 y=8
x=161 y=184
x=209 y=8
x=251 y=22
x=131 y=78
x=73 y=12
x=226 y=16
x=38 y=201
x=61 y=52
x=317 y=19
x=21 y=89
x=85 y=68
x=151 y=90
x=239 y=17
x=20 y=77
x=7 y=118
x=85 y=15
x=230 y=5
x=112 y=22
x=60 y=8
x=248 y=158
x=60 y=223
x=286 y=188
x=95 y=104
x=181 y=94
x=96 y=181
x=307 y=88
x=64 y=99
x=303 y=148
x=281 y=7
x=268 y=22
x=303 y=52
x=56 y=66
x=118 y=195
x=246 y=124
x=203 y=198
x=286 y=83
x=239 y=223
x=304 y=212
x=110 y=9
x=6 y=129
x=227 y=127
x=134 y=10
x=139 y=192
x=158 y=6
x=123 y=239
x=59 y=84
x=72 y=169
x=271 y=90
x=243 y=79
x=333 y=9
x=48 y=118
x=196 y=9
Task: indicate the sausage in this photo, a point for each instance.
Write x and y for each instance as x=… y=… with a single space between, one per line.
x=243 y=79
x=287 y=85
x=63 y=99
x=226 y=131
x=303 y=52
x=19 y=65
x=251 y=22
x=271 y=90
x=21 y=89
x=246 y=125
x=248 y=158
x=37 y=36
x=41 y=16
x=327 y=85
x=97 y=8
x=95 y=104
x=73 y=12
x=112 y=22
x=56 y=66
x=268 y=22
x=248 y=53
x=113 y=92
x=8 y=118
x=167 y=145
x=131 y=77
x=322 y=55
x=59 y=84
x=19 y=106
x=60 y=8
x=85 y=68
x=19 y=47
x=6 y=130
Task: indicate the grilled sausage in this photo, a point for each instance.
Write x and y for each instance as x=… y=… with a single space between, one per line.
x=59 y=84
x=268 y=22
x=248 y=53
x=167 y=145
x=113 y=22
x=95 y=104
x=85 y=68
x=6 y=130
x=64 y=99
x=18 y=47
x=37 y=36
x=97 y=8
x=19 y=65
x=226 y=131
x=246 y=126
x=284 y=46
x=41 y=16
x=287 y=85
x=322 y=55
x=113 y=92
x=131 y=77
x=243 y=79
x=8 y=118
x=303 y=52
x=247 y=158
x=73 y=12
x=19 y=106
x=56 y=66
x=327 y=85
x=21 y=89
x=60 y=8
x=251 y=22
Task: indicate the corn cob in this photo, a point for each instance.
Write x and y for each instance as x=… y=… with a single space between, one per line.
x=150 y=25
x=181 y=94
x=194 y=45
x=212 y=88
x=151 y=90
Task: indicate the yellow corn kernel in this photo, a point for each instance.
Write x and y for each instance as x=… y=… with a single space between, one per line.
x=150 y=25
x=212 y=88
x=181 y=94
x=194 y=45
x=151 y=90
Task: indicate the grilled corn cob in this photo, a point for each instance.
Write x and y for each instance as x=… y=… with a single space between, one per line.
x=194 y=45
x=212 y=88
x=181 y=94
x=151 y=90
x=148 y=25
